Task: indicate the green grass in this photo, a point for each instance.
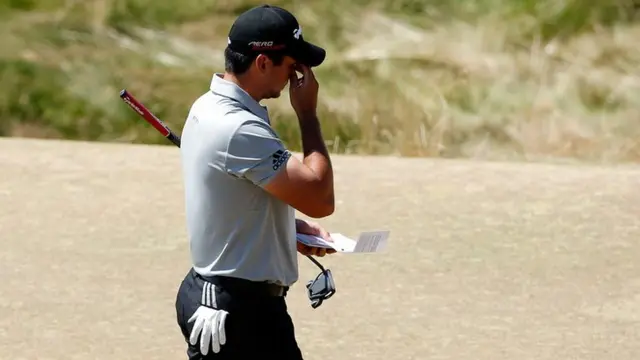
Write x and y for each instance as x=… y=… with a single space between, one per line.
x=497 y=79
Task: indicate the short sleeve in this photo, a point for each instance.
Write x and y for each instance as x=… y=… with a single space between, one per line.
x=256 y=153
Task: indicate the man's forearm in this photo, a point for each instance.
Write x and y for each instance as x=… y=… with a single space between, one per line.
x=316 y=155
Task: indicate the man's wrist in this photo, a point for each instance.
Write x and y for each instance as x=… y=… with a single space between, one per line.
x=307 y=116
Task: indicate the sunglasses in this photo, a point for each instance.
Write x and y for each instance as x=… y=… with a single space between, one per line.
x=322 y=288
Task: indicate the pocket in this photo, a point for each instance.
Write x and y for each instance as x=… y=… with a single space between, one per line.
x=223 y=299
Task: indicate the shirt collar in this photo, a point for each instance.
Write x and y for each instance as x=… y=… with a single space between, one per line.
x=228 y=89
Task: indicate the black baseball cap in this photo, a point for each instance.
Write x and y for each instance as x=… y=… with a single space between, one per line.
x=267 y=28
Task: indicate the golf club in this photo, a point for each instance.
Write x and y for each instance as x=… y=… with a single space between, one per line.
x=149 y=117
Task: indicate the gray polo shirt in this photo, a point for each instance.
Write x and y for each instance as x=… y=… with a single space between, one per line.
x=229 y=152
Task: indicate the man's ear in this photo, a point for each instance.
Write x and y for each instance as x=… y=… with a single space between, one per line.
x=262 y=62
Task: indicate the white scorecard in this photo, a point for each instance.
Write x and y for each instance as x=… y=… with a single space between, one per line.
x=368 y=242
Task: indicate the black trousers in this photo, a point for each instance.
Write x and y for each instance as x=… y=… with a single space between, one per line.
x=258 y=325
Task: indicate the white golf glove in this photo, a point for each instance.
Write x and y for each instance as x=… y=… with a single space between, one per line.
x=209 y=323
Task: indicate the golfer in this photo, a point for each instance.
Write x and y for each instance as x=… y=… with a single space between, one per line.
x=242 y=187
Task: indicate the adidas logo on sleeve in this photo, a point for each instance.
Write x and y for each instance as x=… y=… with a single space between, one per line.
x=279 y=157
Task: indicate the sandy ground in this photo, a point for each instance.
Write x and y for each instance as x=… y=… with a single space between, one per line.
x=485 y=261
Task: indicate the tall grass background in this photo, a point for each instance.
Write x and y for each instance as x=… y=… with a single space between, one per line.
x=491 y=79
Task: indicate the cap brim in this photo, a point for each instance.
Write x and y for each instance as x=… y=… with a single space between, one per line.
x=309 y=54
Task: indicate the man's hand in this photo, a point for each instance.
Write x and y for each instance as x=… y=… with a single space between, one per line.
x=312 y=228
x=303 y=92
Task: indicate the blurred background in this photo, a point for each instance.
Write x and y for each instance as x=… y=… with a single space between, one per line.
x=484 y=79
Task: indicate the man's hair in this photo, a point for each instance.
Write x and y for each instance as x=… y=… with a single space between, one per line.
x=237 y=63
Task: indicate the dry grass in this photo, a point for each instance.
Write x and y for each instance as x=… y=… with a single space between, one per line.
x=463 y=90
x=486 y=261
x=480 y=79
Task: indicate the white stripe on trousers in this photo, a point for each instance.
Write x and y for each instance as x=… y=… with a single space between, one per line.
x=209 y=295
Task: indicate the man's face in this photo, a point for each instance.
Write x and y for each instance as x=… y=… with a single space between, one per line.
x=277 y=76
